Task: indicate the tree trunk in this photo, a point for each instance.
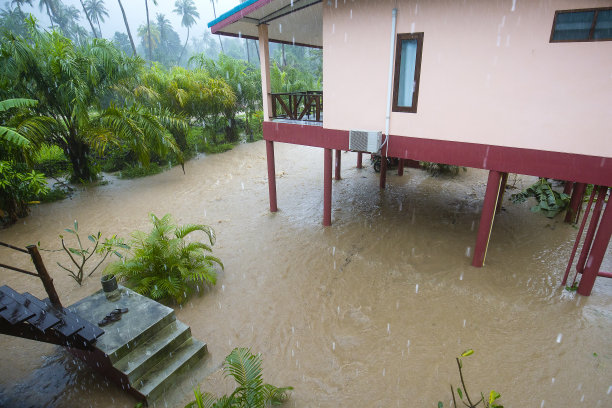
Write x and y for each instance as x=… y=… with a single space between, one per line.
x=283 y=53
x=215 y=14
x=49 y=12
x=246 y=42
x=127 y=27
x=78 y=154
x=149 y=31
x=89 y=19
x=257 y=49
x=99 y=29
x=184 y=47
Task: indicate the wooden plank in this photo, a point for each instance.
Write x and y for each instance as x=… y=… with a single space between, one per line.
x=43 y=319
x=71 y=323
x=14 y=313
x=68 y=326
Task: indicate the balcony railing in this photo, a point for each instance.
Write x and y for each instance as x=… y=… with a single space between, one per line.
x=303 y=106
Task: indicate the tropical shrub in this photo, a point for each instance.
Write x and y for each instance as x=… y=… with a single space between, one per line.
x=18 y=189
x=79 y=256
x=51 y=161
x=251 y=392
x=163 y=265
x=549 y=201
x=462 y=391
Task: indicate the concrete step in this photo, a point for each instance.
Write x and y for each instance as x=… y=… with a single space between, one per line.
x=149 y=353
x=161 y=377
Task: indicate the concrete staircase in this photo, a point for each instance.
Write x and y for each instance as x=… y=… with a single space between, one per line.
x=146 y=350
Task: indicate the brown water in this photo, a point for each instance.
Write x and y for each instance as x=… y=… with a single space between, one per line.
x=367 y=313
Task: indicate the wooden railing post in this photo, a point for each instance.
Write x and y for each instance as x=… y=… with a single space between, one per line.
x=44 y=276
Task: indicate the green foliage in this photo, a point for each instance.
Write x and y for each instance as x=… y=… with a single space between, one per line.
x=550 y=202
x=138 y=171
x=436 y=169
x=164 y=265
x=79 y=256
x=251 y=392
x=18 y=189
x=51 y=161
x=462 y=391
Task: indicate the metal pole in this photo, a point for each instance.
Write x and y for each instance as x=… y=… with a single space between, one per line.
x=47 y=281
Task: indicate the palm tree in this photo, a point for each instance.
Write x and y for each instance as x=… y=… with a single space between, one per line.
x=127 y=27
x=19 y=3
x=97 y=11
x=189 y=13
x=88 y=19
x=149 y=27
x=245 y=367
x=48 y=4
x=215 y=14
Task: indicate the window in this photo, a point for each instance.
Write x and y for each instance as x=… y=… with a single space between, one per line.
x=582 y=25
x=407 y=72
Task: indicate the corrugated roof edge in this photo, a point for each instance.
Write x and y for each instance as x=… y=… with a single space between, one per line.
x=235 y=10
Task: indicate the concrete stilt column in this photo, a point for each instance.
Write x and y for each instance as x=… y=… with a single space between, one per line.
x=598 y=251
x=383 y=171
x=271 y=175
x=573 y=211
x=502 y=190
x=327 y=186
x=400 y=168
x=338 y=164
x=359 y=159
x=486 y=218
x=595 y=216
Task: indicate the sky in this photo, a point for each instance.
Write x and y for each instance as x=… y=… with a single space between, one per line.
x=136 y=15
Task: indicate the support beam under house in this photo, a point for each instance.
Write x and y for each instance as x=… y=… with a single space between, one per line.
x=327 y=186
x=486 y=218
x=400 y=167
x=502 y=190
x=573 y=211
x=359 y=160
x=271 y=175
x=383 y=171
x=338 y=164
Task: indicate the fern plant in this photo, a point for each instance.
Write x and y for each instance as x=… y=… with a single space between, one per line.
x=163 y=265
x=245 y=368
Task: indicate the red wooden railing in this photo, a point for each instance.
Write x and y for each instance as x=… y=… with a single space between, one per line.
x=305 y=106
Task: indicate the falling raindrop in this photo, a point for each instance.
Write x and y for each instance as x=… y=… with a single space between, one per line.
x=542 y=404
x=334 y=264
x=333 y=345
x=351 y=14
x=461 y=276
x=338 y=310
x=553 y=380
x=416 y=289
x=468 y=251
x=397 y=305
x=384 y=372
x=333 y=251
x=513 y=5
x=464 y=325
x=609 y=390
x=223 y=288
x=388 y=328
x=280 y=28
x=559 y=337
x=412 y=27
x=582 y=398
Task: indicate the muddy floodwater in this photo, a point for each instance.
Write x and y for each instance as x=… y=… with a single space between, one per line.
x=369 y=312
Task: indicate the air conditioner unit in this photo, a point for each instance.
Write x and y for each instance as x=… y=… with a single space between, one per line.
x=364 y=141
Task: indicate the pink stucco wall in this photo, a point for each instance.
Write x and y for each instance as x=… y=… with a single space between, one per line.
x=489 y=74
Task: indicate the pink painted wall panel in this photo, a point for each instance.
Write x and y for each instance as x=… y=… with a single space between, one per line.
x=489 y=74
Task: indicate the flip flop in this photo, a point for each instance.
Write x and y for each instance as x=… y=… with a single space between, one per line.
x=109 y=318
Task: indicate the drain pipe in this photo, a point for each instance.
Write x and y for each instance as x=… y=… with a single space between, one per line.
x=390 y=81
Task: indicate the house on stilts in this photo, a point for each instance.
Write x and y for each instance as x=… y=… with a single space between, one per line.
x=509 y=86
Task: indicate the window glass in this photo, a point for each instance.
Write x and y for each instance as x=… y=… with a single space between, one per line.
x=571 y=26
x=406 y=73
x=603 y=25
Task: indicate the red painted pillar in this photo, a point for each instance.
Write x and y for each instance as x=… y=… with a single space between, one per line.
x=573 y=211
x=327 y=186
x=271 y=175
x=567 y=188
x=588 y=240
x=359 y=159
x=400 y=168
x=502 y=190
x=338 y=164
x=486 y=218
x=598 y=250
x=383 y=171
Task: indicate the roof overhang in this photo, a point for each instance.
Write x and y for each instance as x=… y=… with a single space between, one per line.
x=297 y=22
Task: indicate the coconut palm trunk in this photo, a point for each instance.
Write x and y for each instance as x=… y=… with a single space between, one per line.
x=127 y=27
x=89 y=19
x=184 y=47
x=149 y=31
x=215 y=14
